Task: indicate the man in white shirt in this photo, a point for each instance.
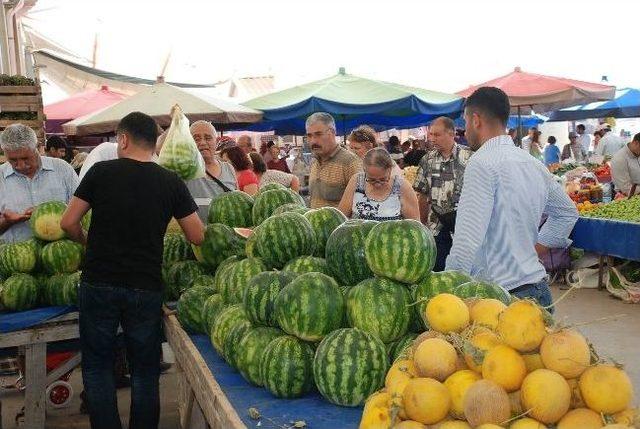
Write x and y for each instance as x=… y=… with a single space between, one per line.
x=625 y=167
x=584 y=138
x=526 y=141
x=609 y=143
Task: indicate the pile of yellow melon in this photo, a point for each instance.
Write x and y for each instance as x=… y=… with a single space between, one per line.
x=487 y=365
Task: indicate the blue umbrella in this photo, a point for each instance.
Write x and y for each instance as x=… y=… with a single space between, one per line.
x=626 y=104
x=526 y=121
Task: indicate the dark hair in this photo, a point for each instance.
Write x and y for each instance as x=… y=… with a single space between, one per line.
x=597 y=133
x=270 y=143
x=394 y=141
x=636 y=138
x=581 y=127
x=512 y=130
x=142 y=129
x=551 y=140
x=364 y=134
x=259 y=165
x=238 y=158
x=490 y=101
x=55 y=142
x=536 y=136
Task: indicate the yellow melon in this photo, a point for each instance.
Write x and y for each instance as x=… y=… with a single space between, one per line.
x=458 y=383
x=485 y=312
x=399 y=371
x=409 y=424
x=477 y=346
x=616 y=426
x=516 y=403
x=425 y=336
x=521 y=326
x=486 y=402
x=533 y=361
x=547 y=394
x=527 y=423
x=376 y=418
x=565 y=352
x=627 y=417
x=505 y=366
x=580 y=418
x=426 y=400
x=489 y=426
x=396 y=391
x=576 y=396
x=435 y=358
x=447 y=313
x=606 y=389
x=453 y=424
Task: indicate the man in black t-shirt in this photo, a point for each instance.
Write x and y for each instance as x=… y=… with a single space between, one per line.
x=132 y=201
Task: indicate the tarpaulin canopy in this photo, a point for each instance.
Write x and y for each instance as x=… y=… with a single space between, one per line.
x=79 y=105
x=526 y=121
x=157 y=101
x=626 y=104
x=353 y=101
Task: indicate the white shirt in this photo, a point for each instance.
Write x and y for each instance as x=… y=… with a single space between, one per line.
x=103 y=152
x=625 y=170
x=585 y=142
x=526 y=144
x=610 y=144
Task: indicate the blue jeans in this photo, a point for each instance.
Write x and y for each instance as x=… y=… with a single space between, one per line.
x=444 y=241
x=103 y=308
x=538 y=291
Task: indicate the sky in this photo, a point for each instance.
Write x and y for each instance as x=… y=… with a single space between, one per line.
x=443 y=45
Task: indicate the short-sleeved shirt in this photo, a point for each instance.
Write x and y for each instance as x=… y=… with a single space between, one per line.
x=206 y=189
x=329 y=178
x=551 y=154
x=276 y=176
x=246 y=178
x=132 y=203
x=54 y=181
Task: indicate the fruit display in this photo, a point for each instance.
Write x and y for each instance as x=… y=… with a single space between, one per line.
x=324 y=221
x=627 y=210
x=266 y=202
x=232 y=209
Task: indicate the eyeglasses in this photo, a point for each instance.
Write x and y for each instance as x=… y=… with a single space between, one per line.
x=318 y=134
x=377 y=181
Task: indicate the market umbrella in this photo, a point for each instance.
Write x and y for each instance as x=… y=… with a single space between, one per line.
x=157 y=101
x=78 y=105
x=625 y=104
x=526 y=121
x=353 y=101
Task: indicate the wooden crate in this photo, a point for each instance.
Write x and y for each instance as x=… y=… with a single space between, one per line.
x=20 y=99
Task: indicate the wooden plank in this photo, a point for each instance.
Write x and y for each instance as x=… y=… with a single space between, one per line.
x=35 y=377
x=197 y=420
x=217 y=409
x=20 y=99
x=33 y=123
x=30 y=89
x=41 y=334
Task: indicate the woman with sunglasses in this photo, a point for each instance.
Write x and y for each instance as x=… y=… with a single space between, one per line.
x=377 y=193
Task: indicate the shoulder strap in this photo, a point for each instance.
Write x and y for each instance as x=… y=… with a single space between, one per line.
x=224 y=187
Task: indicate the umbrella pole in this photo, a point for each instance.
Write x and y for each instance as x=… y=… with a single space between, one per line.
x=519 y=127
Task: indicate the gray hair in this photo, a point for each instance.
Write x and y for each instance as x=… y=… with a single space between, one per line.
x=446 y=122
x=17 y=137
x=378 y=157
x=202 y=122
x=323 y=117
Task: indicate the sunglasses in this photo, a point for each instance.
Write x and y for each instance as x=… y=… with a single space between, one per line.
x=377 y=181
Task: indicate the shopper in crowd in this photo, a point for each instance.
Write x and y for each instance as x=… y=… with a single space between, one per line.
x=132 y=200
x=551 y=152
x=78 y=160
x=610 y=143
x=577 y=151
x=364 y=138
x=513 y=133
x=625 y=167
x=526 y=141
x=276 y=162
x=28 y=179
x=439 y=183
x=394 y=148
x=597 y=135
x=266 y=176
x=535 y=147
x=247 y=180
x=267 y=151
x=56 y=147
x=504 y=195
x=460 y=138
x=332 y=166
x=413 y=157
x=406 y=147
x=584 y=139
x=245 y=143
x=377 y=194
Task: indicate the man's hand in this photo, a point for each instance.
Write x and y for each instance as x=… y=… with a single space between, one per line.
x=12 y=217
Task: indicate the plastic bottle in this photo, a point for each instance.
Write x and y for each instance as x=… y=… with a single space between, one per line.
x=606 y=193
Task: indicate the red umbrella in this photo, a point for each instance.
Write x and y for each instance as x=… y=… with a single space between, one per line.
x=79 y=105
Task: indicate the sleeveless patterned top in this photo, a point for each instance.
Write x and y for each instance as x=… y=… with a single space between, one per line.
x=369 y=209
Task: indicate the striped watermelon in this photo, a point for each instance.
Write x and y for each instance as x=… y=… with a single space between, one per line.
x=402 y=250
x=478 y=289
x=350 y=364
x=190 y=306
x=222 y=325
x=220 y=242
x=182 y=156
x=70 y=288
x=236 y=278
x=345 y=252
x=401 y=347
x=206 y=281
x=221 y=271
x=272 y=186
x=251 y=248
x=250 y=350
x=324 y=221
x=284 y=237
x=176 y=248
x=232 y=209
x=286 y=367
x=230 y=348
x=260 y=296
x=55 y=290
x=432 y=285
x=42 y=280
x=307 y=264
x=291 y=207
x=18 y=257
x=212 y=307
x=19 y=292
x=380 y=307
x=266 y=202
x=45 y=221
x=186 y=273
x=86 y=221
x=63 y=256
x=310 y=307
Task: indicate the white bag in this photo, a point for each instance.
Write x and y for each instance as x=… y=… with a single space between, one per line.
x=180 y=152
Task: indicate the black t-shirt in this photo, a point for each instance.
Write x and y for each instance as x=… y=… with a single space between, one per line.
x=413 y=157
x=131 y=203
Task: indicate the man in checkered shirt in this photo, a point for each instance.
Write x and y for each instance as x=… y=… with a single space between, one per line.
x=439 y=183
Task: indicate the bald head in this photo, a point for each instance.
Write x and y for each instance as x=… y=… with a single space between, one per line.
x=206 y=137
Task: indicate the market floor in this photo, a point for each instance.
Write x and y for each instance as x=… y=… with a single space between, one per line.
x=615 y=338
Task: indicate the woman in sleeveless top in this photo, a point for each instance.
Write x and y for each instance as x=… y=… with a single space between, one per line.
x=377 y=194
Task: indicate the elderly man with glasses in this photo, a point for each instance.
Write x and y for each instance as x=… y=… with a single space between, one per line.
x=333 y=165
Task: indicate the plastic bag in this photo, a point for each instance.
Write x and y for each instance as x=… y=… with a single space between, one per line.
x=620 y=283
x=180 y=152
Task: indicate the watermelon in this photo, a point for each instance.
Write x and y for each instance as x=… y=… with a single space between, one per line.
x=310 y=307
x=432 y=285
x=190 y=306
x=19 y=292
x=380 y=307
x=222 y=325
x=232 y=209
x=286 y=367
x=345 y=252
x=266 y=202
x=63 y=256
x=284 y=237
x=212 y=307
x=401 y=347
x=260 y=296
x=70 y=288
x=18 y=257
x=86 y=221
x=180 y=153
x=176 y=248
x=220 y=242
x=185 y=273
x=42 y=280
x=402 y=250
x=350 y=364
x=307 y=264
x=45 y=221
x=291 y=207
x=221 y=272
x=205 y=281
x=272 y=186
x=250 y=351
x=55 y=288
x=478 y=289
x=250 y=247
x=230 y=347
x=324 y=221
x=237 y=276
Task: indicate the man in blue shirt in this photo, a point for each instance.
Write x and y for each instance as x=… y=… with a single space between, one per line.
x=551 y=152
x=505 y=193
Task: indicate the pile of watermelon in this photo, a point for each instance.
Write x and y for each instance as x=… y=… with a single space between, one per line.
x=41 y=271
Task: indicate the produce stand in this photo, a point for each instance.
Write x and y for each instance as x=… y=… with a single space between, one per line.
x=212 y=393
x=23 y=101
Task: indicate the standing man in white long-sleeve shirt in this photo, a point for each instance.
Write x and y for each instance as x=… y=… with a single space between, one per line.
x=505 y=194
x=609 y=143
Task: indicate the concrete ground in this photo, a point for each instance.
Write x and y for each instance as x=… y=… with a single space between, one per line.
x=616 y=339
